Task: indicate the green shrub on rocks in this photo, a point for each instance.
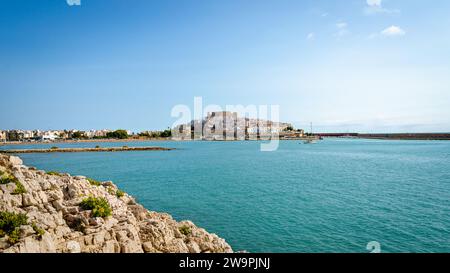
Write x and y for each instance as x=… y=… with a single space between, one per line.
x=19 y=188
x=6 y=178
x=39 y=231
x=99 y=206
x=119 y=193
x=54 y=148
x=185 y=230
x=10 y=220
x=14 y=236
x=93 y=182
x=10 y=223
x=53 y=173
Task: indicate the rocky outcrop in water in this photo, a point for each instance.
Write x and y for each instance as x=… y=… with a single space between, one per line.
x=51 y=212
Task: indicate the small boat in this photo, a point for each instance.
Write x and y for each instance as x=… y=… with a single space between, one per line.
x=310 y=141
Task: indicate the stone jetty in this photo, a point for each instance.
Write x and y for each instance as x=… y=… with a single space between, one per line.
x=80 y=150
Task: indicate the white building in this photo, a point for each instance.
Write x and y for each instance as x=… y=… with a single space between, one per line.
x=28 y=134
x=90 y=134
x=101 y=133
x=50 y=136
x=2 y=136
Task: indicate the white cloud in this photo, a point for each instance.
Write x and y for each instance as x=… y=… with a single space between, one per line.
x=73 y=2
x=393 y=31
x=341 y=25
x=311 y=36
x=375 y=6
x=374 y=3
x=342 y=29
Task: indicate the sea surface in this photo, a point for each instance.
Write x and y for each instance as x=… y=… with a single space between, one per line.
x=334 y=196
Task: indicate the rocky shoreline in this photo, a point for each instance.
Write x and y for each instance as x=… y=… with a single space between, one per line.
x=57 y=213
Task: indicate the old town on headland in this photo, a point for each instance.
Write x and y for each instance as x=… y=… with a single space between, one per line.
x=216 y=126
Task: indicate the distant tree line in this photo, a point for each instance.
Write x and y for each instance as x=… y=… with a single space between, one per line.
x=122 y=134
x=157 y=134
x=78 y=135
x=118 y=134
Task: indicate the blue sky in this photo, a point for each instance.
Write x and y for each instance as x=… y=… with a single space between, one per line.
x=355 y=65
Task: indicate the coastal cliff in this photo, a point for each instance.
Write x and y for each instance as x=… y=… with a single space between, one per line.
x=50 y=212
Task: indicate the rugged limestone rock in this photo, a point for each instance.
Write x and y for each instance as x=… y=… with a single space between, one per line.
x=57 y=223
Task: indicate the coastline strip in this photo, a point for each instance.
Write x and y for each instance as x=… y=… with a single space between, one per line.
x=80 y=150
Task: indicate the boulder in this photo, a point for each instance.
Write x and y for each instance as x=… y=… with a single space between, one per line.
x=73 y=247
x=15 y=161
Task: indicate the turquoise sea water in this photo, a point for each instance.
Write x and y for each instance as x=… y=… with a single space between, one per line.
x=334 y=196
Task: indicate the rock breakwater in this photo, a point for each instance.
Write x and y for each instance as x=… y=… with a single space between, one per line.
x=80 y=150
